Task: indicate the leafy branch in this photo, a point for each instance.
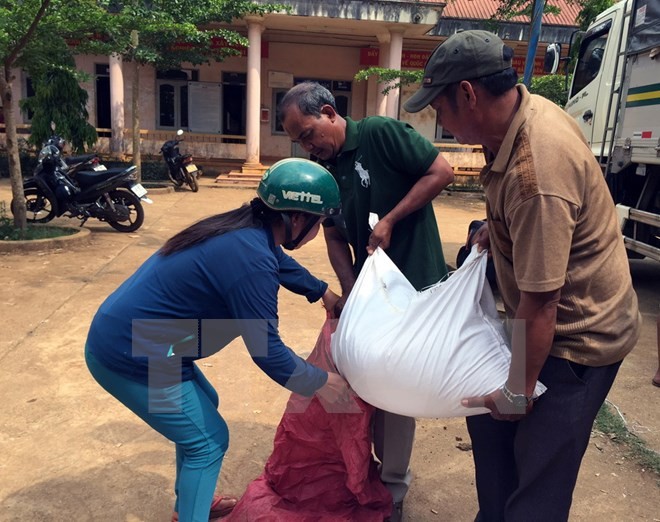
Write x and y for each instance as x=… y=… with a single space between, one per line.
x=393 y=78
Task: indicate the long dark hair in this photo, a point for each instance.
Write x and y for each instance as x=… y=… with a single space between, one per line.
x=254 y=214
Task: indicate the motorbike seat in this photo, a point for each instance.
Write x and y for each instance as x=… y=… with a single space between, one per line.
x=73 y=160
x=86 y=178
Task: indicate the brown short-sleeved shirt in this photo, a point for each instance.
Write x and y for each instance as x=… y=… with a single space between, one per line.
x=553 y=225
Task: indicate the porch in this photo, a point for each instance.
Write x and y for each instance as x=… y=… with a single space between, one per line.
x=222 y=155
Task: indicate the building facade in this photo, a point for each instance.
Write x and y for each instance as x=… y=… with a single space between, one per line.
x=229 y=108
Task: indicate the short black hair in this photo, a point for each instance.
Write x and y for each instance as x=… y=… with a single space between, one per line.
x=499 y=83
x=309 y=97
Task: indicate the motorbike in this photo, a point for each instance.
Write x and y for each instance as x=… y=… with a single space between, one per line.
x=76 y=163
x=112 y=195
x=180 y=167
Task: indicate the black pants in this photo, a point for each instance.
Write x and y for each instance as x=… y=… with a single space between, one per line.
x=526 y=470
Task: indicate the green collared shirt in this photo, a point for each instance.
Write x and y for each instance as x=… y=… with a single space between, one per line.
x=380 y=161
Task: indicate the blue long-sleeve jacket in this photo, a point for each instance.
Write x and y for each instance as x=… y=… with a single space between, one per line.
x=186 y=306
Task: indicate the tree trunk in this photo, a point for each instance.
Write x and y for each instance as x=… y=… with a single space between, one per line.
x=137 y=157
x=13 y=156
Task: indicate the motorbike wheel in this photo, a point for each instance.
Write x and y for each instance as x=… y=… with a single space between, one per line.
x=177 y=180
x=192 y=181
x=39 y=208
x=134 y=205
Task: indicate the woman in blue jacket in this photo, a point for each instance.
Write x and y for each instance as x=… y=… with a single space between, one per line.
x=214 y=281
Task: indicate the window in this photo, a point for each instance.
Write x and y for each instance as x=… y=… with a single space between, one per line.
x=278 y=94
x=204 y=107
x=28 y=92
x=172 y=104
x=590 y=58
x=234 y=107
x=172 y=98
x=103 y=113
x=341 y=90
x=441 y=134
x=204 y=99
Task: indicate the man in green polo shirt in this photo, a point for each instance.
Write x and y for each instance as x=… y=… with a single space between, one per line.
x=382 y=166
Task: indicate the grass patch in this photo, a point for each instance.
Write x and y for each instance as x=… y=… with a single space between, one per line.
x=8 y=232
x=609 y=422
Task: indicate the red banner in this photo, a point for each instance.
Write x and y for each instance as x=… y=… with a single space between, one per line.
x=369 y=56
x=409 y=59
x=219 y=43
x=414 y=59
x=417 y=60
x=518 y=63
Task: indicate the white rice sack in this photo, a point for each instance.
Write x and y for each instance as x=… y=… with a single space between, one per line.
x=419 y=353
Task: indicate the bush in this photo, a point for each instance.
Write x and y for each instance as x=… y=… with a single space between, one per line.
x=28 y=164
x=154 y=171
x=8 y=232
x=151 y=170
x=552 y=87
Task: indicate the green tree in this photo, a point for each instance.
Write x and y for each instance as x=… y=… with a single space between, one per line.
x=32 y=31
x=166 y=33
x=509 y=9
x=41 y=35
x=551 y=86
x=589 y=9
x=392 y=78
x=59 y=99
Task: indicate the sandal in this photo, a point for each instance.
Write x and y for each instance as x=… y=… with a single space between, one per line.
x=655 y=383
x=220 y=507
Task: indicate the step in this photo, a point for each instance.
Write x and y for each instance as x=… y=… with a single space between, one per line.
x=224 y=185
x=237 y=180
x=238 y=175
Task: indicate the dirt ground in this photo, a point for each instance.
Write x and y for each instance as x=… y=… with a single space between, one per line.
x=70 y=452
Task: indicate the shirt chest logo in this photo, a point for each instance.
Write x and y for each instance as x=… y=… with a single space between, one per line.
x=365 y=180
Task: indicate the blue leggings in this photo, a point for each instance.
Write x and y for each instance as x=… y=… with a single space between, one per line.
x=187 y=414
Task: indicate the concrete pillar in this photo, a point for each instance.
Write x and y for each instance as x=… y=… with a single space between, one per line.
x=371 y=103
x=117 y=104
x=383 y=61
x=396 y=50
x=255 y=28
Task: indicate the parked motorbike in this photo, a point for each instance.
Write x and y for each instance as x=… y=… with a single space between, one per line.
x=74 y=163
x=112 y=195
x=180 y=167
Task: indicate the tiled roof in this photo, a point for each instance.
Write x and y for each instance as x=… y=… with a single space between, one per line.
x=484 y=9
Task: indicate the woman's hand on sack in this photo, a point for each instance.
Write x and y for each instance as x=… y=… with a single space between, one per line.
x=380 y=237
x=482 y=238
x=330 y=300
x=500 y=408
x=335 y=390
x=339 y=307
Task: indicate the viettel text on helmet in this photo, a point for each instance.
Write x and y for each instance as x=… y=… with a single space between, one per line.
x=306 y=197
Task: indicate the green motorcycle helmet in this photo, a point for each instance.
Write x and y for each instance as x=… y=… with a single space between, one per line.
x=300 y=185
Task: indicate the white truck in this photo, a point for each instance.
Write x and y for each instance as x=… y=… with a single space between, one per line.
x=615 y=99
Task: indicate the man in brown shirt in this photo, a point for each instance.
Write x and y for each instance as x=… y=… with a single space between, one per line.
x=561 y=268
